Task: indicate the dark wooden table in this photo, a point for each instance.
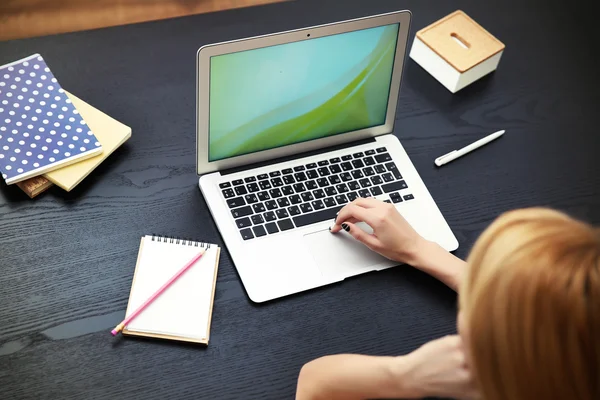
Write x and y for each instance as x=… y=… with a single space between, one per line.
x=66 y=259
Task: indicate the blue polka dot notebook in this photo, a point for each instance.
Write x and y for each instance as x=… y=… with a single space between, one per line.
x=40 y=129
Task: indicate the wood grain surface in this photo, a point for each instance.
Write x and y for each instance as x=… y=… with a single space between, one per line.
x=67 y=259
x=29 y=18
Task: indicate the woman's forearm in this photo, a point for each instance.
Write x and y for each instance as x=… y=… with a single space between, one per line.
x=434 y=260
x=352 y=377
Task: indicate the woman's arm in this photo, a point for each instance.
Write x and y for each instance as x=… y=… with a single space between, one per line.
x=435 y=369
x=394 y=238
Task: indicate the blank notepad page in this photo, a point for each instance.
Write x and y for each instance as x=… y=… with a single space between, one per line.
x=183 y=310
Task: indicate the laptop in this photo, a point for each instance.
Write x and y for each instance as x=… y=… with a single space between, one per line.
x=291 y=127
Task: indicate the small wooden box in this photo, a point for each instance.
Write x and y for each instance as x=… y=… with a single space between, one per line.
x=456 y=51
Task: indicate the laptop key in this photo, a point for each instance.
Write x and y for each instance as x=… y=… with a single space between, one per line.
x=409 y=197
x=352 y=196
x=384 y=157
x=264 y=185
x=334 y=179
x=258 y=208
x=353 y=185
x=319 y=194
x=311 y=165
x=287 y=171
x=334 y=160
x=388 y=177
x=341 y=199
x=346 y=166
x=282 y=213
x=341 y=188
x=242 y=212
x=274 y=174
x=381 y=150
x=376 y=180
x=236 y=202
x=243 y=222
x=305 y=207
x=257 y=219
x=310 y=185
x=238 y=182
x=288 y=179
x=247 y=234
x=276 y=182
x=270 y=216
x=240 y=190
x=369 y=152
x=262 y=177
x=387 y=201
x=287 y=190
x=358 y=155
x=253 y=187
x=307 y=196
x=345 y=176
x=357 y=163
x=318 y=216
x=299 y=168
x=317 y=205
x=365 y=183
x=368 y=171
x=250 y=198
x=391 y=187
x=299 y=187
x=300 y=176
x=330 y=191
x=259 y=231
x=322 y=182
x=285 y=224
x=323 y=171
x=262 y=196
x=272 y=228
x=323 y=163
x=294 y=210
x=347 y=157
x=357 y=174
x=312 y=174
x=275 y=193
x=250 y=179
x=330 y=202
x=271 y=204
x=364 y=193
x=228 y=193
x=224 y=185
x=335 y=169
x=376 y=191
x=295 y=199
x=283 y=202
x=394 y=170
x=380 y=169
x=397 y=199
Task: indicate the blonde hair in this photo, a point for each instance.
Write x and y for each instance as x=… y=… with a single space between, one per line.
x=531 y=302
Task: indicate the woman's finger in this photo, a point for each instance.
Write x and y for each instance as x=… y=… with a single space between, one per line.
x=367 y=202
x=336 y=227
x=369 y=240
x=353 y=211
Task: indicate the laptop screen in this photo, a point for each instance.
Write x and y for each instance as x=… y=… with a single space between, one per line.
x=274 y=96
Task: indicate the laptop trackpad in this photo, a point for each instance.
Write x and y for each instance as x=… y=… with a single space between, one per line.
x=339 y=255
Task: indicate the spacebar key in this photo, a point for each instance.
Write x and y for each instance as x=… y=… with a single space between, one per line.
x=323 y=215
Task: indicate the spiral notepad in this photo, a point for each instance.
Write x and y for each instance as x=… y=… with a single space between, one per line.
x=183 y=312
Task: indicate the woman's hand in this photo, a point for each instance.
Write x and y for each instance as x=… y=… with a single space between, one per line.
x=437 y=369
x=392 y=236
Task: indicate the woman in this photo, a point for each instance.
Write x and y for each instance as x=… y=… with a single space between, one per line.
x=529 y=318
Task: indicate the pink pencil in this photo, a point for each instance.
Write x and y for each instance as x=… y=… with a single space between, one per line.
x=127 y=320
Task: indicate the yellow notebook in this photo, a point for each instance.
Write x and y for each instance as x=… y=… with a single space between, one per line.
x=184 y=310
x=109 y=132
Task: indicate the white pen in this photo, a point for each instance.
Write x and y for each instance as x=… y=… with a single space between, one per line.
x=454 y=154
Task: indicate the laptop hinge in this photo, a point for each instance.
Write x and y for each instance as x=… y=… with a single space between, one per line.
x=296 y=156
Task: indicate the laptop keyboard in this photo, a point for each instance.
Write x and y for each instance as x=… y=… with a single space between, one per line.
x=290 y=198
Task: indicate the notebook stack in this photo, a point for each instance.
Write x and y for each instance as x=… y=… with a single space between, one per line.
x=48 y=136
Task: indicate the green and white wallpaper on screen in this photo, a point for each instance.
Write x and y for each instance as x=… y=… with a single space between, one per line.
x=265 y=98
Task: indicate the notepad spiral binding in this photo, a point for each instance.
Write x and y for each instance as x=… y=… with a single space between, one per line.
x=177 y=240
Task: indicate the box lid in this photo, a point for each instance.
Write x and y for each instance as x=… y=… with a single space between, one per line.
x=461 y=41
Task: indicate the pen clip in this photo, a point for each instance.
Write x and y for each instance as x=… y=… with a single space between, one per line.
x=440 y=159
